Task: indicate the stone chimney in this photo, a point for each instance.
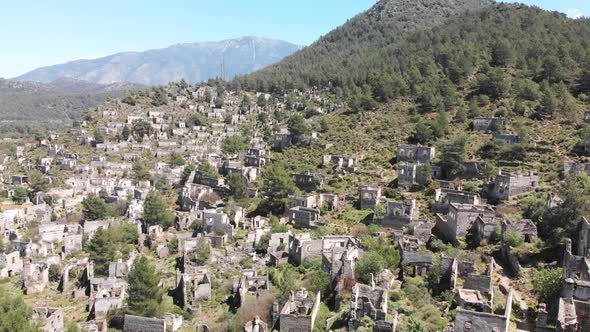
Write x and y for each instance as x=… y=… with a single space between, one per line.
x=275 y=313
x=568 y=246
x=568 y=289
x=541 y=315
x=90 y=270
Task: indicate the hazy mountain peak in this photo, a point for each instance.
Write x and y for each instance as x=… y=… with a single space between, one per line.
x=194 y=62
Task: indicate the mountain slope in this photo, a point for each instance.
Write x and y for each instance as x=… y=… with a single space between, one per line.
x=345 y=49
x=193 y=62
x=25 y=106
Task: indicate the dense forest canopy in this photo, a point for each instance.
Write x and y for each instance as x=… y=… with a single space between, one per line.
x=377 y=54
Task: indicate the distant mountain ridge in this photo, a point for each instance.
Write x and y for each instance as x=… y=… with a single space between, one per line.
x=193 y=62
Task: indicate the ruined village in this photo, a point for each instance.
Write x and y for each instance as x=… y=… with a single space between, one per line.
x=243 y=209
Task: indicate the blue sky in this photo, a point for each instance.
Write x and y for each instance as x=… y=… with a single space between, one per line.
x=40 y=33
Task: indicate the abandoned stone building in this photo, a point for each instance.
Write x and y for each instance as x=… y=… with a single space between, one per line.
x=278 y=258
x=249 y=283
x=11 y=264
x=508 y=138
x=508 y=185
x=281 y=140
x=525 y=228
x=298 y=314
x=486 y=229
x=308 y=181
x=416 y=263
x=143 y=324
x=315 y=201
x=460 y=218
x=192 y=287
x=574 y=168
x=256 y=325
x=303 y=247
x=401 y=213
x=35 y=276
x=217 y=223
x=452 y=268
x=340 y=163
x=307 y=200
x=477 y=291
x=411 y=174
x=487 y=124
x=256 y=157
x=472 y=169
x=415 y=153
x=50 y=319
x=279 y=241
x=302 y=217
x=444 y=197
x=339 y=261
x=467 y=320
x=254 y=161
x=369 y=197
x=574 y=303
x=367 y=301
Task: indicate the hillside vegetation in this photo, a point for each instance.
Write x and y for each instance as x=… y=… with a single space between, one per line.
x=377 y=57
x=29 y=106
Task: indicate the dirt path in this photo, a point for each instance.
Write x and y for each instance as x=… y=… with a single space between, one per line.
x=505 y=285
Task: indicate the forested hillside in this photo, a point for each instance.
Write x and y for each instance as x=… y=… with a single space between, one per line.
x=377 y=57
x=29 y=106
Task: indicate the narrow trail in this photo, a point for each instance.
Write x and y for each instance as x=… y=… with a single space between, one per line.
x=505 y=284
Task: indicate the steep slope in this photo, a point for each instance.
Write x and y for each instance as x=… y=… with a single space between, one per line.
x=340 y=56
x=193 y=62
x=25 y=106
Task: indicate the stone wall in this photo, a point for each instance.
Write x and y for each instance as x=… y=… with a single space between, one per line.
x=143 y=324
x=584 y=238
x=480 y=283
x=472 y=321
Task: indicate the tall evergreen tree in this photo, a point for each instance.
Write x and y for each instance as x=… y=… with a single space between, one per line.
x=453 y=156
x=94 y=208
x=15 y=315
x=277 y=187
x=156 y=212
x=145 y=296
x=238 y=186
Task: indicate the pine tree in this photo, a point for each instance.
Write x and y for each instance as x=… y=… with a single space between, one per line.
x=98 y=137
x=423 y=133
x=20 y=195
x=549 y=102
x=156 y=212
x=238 y=187
x=125 y=133
x=441 y=124
x=453 y=156
x=101 y=251
x=277 y=187
x=15 y=315
x=145 y=296
x=297 y=125
x=37 y=181
x=461 y=115
x=94 y=208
